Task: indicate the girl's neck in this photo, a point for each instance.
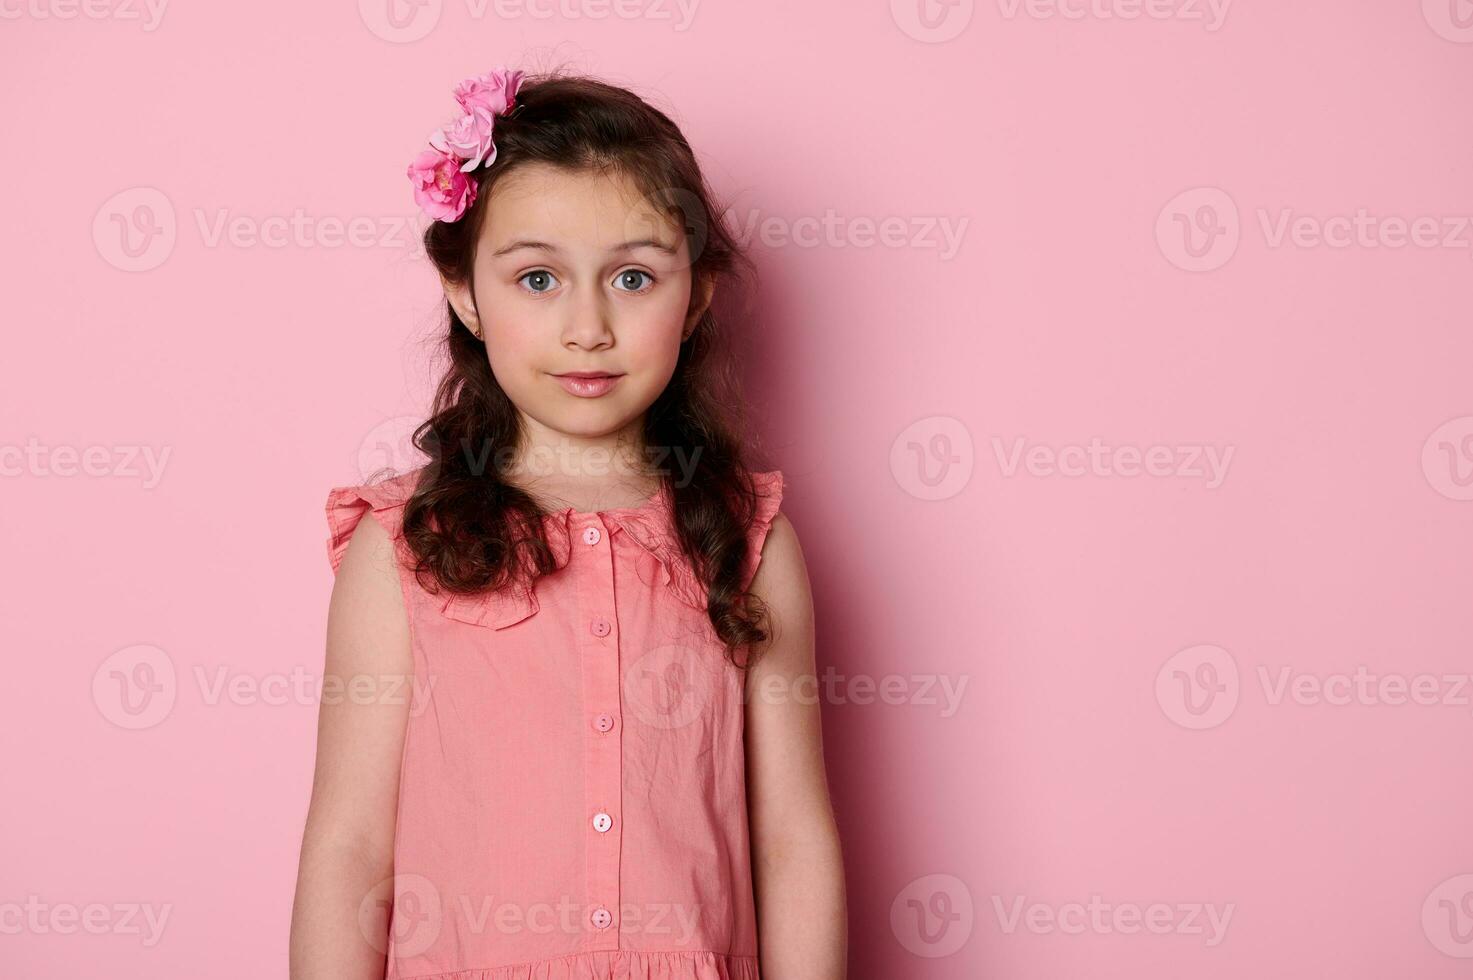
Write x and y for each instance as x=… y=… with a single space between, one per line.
x=586 y=476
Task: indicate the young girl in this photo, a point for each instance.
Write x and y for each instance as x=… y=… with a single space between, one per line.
x=610 y=765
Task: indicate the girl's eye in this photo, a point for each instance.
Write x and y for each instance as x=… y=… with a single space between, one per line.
x=542 y=281
x=630 y=281
x=631 y=278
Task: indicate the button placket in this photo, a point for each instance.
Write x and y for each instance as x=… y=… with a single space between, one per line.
x=598 y=642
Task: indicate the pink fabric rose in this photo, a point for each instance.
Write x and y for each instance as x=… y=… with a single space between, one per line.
x=441 y=187
x=494 y=91
x=468 y=138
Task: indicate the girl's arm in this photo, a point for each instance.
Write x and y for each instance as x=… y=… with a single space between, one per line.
x=348 y=846
x=798 y=871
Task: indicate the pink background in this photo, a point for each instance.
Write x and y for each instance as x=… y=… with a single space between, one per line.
x=1078 y=150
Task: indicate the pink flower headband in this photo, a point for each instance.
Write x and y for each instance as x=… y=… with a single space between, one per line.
x=439 y=174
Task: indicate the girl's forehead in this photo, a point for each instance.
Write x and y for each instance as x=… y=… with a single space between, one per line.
x=574 y=209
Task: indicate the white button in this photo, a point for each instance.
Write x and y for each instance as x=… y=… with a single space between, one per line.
x=591 y=535
x=602 y=917
x=602 y=822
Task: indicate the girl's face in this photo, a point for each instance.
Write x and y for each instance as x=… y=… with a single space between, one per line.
x=575 y=273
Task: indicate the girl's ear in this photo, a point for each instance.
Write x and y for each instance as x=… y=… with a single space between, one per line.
x=461 y=300
x=702 y=289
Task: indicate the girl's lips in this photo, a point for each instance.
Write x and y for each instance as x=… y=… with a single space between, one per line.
x=587 y=386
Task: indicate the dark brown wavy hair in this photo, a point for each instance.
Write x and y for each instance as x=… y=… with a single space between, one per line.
x=471 y=530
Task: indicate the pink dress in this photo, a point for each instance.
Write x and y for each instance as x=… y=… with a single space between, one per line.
x=572 y=794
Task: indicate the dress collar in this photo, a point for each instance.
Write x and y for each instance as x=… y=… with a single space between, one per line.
x=647 y=524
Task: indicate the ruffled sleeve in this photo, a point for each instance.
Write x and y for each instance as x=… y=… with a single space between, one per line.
x=769 y=487
x=347 y=505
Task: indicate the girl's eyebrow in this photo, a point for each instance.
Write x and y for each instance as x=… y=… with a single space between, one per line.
x=622 y=247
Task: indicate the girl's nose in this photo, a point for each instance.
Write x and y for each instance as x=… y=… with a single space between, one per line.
x=587 y=325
